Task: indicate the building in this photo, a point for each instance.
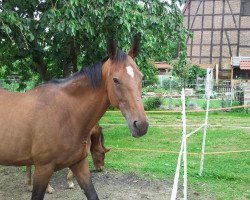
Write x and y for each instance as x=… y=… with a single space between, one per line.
x=221 y=30
x=163 y=68
x=163 y=71
x=240 y=67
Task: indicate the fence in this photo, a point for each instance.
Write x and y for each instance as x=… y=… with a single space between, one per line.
x=225 y=91
x=228 y=95
x=222 y=88
x=183 y=149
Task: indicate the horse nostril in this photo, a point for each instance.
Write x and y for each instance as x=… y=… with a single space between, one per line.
x=135 y=124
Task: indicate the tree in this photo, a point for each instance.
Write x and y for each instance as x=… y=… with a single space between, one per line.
x=187 y=72
x=54 y=38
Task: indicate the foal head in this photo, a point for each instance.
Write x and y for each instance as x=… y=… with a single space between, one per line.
x=124 y=86
x=97 y=148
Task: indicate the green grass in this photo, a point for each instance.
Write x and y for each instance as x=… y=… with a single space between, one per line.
x=226 y=176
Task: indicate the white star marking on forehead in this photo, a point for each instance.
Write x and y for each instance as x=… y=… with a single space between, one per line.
x=130 y=71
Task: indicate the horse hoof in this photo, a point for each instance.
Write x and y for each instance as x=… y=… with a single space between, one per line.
x=30 y=188
x=50 y=190
x=99 y=169
x=71 y=185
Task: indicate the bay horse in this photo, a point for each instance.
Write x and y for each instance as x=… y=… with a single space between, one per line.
x=97 y=150
x=49 y=126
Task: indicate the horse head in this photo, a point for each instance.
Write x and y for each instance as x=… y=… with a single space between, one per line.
x=124 y=86
x=97 y=148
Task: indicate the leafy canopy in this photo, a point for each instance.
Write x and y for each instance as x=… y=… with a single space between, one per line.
x=53 y=38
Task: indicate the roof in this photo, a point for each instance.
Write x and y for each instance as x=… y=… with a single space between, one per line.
x=162 y=65
x=245 y=65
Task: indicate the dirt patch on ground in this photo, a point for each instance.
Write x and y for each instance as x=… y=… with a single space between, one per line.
x=109 y=185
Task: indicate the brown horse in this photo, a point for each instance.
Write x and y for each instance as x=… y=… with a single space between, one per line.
x=97 y=149
x=49 y=126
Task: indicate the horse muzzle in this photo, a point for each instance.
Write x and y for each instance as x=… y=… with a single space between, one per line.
x=139 y=128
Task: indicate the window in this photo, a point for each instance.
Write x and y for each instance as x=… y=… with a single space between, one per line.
x=245 y=8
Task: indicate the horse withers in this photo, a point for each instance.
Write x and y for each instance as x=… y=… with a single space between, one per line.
x=49 y=126
x=97 y=150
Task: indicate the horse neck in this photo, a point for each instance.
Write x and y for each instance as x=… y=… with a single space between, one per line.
x=91 y=103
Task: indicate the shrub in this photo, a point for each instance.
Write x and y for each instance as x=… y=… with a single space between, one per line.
x=212 y=104
x=176 y=84
x=225 y=102
x=149 y=88
x=237 y=103
x=204 y=105
x=152 y=103
x=192 y=104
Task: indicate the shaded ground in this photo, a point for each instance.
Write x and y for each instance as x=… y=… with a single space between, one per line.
x=109 y=185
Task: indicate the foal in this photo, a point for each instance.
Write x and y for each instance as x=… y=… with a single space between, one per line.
x=97 y=150
x=49 y=126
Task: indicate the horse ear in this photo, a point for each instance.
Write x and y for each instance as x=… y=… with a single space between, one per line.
x=111 y=48
x=134 y=51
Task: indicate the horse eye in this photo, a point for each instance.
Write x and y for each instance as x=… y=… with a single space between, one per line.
x=116 y=80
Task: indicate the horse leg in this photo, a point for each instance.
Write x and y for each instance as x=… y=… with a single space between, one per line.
x=70 y=177
x=41 y=179
x=28 y=179
x=82 y=174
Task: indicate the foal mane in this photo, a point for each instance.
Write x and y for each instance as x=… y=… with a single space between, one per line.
x=102 y=136
x=92 y=72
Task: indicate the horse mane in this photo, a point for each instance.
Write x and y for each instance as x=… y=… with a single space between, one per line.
x=92 y=72
x=102 y=137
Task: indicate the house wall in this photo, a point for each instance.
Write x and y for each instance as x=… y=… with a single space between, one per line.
x=219 y=32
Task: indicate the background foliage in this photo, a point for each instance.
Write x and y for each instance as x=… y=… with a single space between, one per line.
x=54 y=38
x=187 y=72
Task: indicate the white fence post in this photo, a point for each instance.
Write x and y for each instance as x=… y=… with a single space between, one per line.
x=184 y=140
x=183 y=151
x=177 y=174
x=204 y=139
x=208 y=90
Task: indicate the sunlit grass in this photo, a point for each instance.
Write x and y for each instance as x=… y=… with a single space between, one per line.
x=226 y=176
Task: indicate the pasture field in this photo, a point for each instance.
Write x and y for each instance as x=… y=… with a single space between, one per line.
x=226 y=176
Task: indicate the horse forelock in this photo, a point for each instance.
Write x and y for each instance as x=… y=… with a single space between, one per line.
x=121 y=56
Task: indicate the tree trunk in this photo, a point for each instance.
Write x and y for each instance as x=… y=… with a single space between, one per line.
x=67 y=67
x=70 y=61
x=38 y=60
x=74 y=50
x=40 y=66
